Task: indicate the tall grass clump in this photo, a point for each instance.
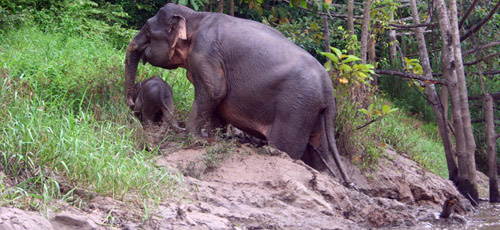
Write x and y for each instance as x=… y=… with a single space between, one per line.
x=64 y=123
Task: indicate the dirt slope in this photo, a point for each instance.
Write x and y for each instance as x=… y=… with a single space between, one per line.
x=255 y=191
x=246 y=189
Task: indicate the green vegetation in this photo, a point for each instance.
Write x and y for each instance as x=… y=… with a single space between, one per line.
x=63 y=121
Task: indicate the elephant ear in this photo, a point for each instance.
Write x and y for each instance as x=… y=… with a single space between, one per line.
x=178 y=29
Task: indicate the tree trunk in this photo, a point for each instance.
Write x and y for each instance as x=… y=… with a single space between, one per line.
x=392 y=44
x=462 y=88
x=431 y=93
x=220 y=7
x=448 y=65
x=492 y=148
x=365 y=31
x=350 y=21
x=326 y=32
x=231 y=7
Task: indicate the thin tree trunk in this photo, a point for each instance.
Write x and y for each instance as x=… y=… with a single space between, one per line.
x=430 y=91
x=365 y=31
x=492 y=148
x=220 y=7
x=231 y=7
x=326 y=32
x=462 y=88
x=350 y=21
x=490 y=132
x=392 y=44
x=372 y=56
x=447 y=63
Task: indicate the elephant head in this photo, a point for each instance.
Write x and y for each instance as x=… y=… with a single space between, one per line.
x=156 y=43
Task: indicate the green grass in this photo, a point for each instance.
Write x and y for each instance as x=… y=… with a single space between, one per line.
x=419 y=140
x=63 y=120
x=406 y=134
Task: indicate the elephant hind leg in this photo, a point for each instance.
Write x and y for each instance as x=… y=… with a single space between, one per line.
x=290 y=136
x=317 y=154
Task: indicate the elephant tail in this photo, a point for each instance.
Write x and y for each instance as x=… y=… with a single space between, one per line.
x=329 y=116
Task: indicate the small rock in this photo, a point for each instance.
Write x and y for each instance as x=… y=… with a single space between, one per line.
x=17 y=219
x=69 y=220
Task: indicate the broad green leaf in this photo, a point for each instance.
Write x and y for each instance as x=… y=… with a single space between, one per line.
x=183 y=2
x=385 y=109
x=364 y=111
x=331 y=56
x=194 y=4
x=328 y=65
x=351 y=58
x=303 y=3
x=336 y=51
x=345 y=68
x=393 y=110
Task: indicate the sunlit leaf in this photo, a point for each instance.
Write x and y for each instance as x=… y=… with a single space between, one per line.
x=351 y=58
x=385 y=109
x=331 y=56
x=336 y=51
x=328 y=66
x=364 y=111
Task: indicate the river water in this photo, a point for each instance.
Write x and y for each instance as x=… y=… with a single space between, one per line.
x=486 y=217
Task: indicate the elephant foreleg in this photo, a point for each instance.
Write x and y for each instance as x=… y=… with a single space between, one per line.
x=210 y=90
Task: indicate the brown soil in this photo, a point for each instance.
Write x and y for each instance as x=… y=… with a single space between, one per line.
x=245 y=187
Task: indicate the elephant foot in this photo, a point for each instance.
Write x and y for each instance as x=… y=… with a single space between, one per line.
x=198 y=140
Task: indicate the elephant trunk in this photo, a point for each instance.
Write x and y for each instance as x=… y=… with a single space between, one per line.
x=131 y=61
x=134 y=53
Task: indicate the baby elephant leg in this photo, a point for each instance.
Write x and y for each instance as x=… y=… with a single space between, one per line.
x=168 y=118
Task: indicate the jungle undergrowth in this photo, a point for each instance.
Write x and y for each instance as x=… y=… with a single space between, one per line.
x=64 y=123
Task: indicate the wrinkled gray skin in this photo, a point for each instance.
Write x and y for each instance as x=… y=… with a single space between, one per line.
x=153 y=102
x=244 y=73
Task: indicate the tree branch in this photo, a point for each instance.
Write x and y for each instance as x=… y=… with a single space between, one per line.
x=494 y=72
x=482 y=59
x=471 y=8
x=495 y=96
x=485 y=46
x=411 y=76
x=432 y=24
x=480 y=24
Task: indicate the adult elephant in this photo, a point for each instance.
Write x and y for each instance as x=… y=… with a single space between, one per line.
x=244 y=73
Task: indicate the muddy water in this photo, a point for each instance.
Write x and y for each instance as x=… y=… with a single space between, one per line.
x=486 y=217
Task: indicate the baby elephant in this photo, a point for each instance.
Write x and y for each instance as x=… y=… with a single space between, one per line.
x=154 y=103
